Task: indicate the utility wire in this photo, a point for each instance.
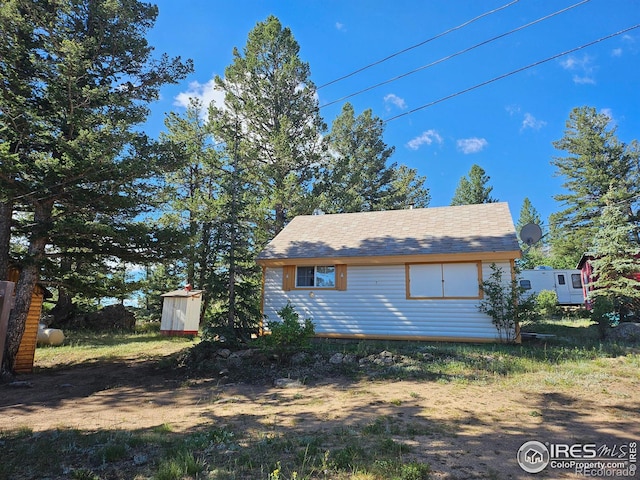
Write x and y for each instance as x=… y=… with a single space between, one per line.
x=513 y=72
x=453 y=29
x=459 y=52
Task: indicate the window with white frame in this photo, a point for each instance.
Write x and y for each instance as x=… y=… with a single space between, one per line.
x=321 y=276
x=444 y=280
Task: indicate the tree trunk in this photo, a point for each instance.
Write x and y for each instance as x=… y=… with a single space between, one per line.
x=63 y=310
x=280 y=220
x=6 y=213
x=26 y=284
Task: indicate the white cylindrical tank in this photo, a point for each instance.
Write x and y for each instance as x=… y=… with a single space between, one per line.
x=50 y=336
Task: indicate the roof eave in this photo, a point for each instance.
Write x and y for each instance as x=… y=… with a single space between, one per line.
x=393 y=259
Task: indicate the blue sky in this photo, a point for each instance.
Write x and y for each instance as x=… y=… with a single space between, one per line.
x=507 y=126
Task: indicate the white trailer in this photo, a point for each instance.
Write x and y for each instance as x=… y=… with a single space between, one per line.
x=566 y=283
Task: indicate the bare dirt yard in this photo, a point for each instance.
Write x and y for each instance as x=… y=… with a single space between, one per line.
x=463 y=428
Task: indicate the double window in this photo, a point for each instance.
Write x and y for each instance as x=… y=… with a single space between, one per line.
x=318 y=277
x=443 y=280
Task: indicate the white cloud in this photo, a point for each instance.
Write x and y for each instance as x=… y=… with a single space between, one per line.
x=341 y=27
x=512 y=109
x=569 y=63
x=583 y=67
x=471 y=145
x=205 y=92
x=609 y=113
x=616 y=52
x=392 y=99
x=584 y=80
x=532 y=122
x=426 y=138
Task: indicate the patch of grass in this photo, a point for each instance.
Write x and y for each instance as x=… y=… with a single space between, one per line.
x=84 y=474
x=82 y=347
x=375 y=449
x=114 y=452
x=179 y=465
x=164 y=428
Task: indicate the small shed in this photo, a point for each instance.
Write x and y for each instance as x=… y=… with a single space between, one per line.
x=181 y=312
x=394 y=275
x=27 y=349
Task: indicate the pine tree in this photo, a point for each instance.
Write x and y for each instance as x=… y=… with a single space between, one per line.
x=474 y=189
x=408 y=189
x=533 y=255
x=358 y=176
x=595 y=158
x=236 y=289
x=75 y=78
x=617 y=253
x=192 y=193
x=270 y=89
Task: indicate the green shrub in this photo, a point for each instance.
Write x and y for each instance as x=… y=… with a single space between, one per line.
x=604 y=314
x=289 y=335
x=547 y=303
x=506 y=304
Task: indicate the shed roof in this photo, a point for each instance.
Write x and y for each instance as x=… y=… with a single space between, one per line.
x=463 y=229
x=182 y=293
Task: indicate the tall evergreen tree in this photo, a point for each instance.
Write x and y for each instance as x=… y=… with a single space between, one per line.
x=192 y=193
x=236 y=288
x=533 y=255
x=616 y=266
x=473 y=189
x=408 y=189
x=75 y=78
x=595 y=158
x=358 y=176
x=270 y=88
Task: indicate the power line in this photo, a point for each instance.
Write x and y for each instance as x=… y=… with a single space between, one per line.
x=459 y=52
x=453 y=29
x=513 y=72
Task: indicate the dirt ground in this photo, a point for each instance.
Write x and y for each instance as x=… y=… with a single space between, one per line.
x=477 y=429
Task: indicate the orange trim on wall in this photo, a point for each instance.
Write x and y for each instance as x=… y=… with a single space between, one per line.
x=417 y=338
x=395 y=259
x=288 y=277
x=341 y=277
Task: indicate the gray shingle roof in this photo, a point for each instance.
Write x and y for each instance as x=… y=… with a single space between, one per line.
x=422 y=231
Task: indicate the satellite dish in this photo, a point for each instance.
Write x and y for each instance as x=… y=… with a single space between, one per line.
x=530 y=234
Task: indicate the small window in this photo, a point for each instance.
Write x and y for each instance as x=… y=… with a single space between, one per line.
x=561 y=280
x=316 y=277
x=575 y=280
x=525 y=284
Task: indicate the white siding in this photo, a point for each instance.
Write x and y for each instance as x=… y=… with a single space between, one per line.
x=375 y=305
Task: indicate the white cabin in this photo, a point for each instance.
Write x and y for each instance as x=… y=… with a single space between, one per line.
x=567 y=283
x=400 y=274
